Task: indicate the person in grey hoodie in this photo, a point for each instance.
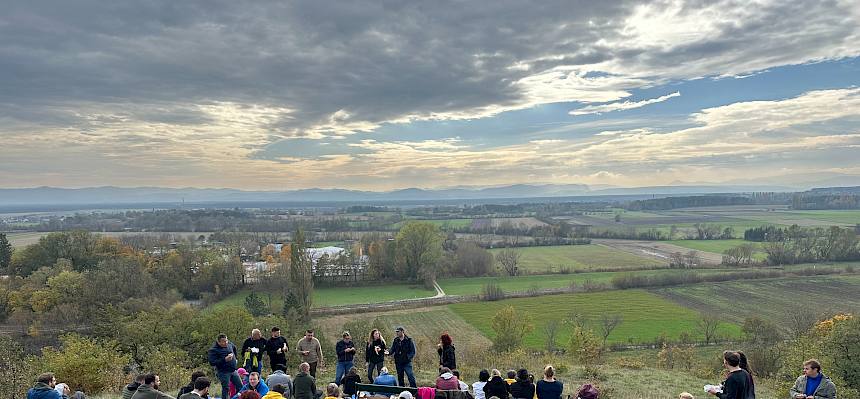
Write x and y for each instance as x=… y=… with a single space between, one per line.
x=813 y=384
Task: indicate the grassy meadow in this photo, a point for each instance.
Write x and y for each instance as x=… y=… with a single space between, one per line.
x=646 y=315
x=578 y=258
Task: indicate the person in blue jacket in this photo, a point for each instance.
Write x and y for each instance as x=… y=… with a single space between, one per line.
x=222 y=356
x=44 y=388
x=254 y=384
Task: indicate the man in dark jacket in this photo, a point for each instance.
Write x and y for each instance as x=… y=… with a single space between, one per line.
x=130 y=389
x=44 y=388
x=222 y=356
x=190 y=387
x=345 y=353
x=252 y=351
x=149 y=389
x=304 y=385
x=276 y=348
x=403 y=350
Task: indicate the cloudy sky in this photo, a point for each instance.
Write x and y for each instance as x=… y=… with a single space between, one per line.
x=390 y=94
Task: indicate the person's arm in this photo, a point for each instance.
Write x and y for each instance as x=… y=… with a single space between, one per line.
x=340 y=349
x=319 y=352
x=246 y=345
x=827 y=390
x=796 y=389
x=299 y=347
x=410 y=351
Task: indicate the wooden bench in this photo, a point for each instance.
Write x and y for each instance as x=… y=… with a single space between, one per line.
x=386 y=389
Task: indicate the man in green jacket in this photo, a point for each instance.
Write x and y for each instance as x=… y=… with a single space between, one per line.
x=304 y=385
x=813 y=384
x=149 y=389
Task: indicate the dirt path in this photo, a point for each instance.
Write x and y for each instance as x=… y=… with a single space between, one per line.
x=657 y=249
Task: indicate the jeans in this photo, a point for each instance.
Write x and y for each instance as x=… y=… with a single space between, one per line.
x=226 y=379
x=341 y=369
x=405 y=368
x=370 y=367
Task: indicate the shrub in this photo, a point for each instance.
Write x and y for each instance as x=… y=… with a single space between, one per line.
x=510 y=328
x=16 y=370
x=88 y=364
x=492 y=292
x=255 y=305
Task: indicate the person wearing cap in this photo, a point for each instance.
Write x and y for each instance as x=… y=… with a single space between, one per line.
x=345 y=353
x=403 y=350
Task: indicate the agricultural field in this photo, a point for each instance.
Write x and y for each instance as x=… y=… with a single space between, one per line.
x=718 y=246
x=24 y=239
x=442 y=223
x=772 y=299
x=338 y=296
x=579 y=258
x=474 y=285
x=28 y=238
x=645 y=315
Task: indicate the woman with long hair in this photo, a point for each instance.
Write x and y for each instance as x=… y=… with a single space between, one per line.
x=737 y=384
x=447 y=356
x=745 y=365
x=374 y=354
x=549 y=387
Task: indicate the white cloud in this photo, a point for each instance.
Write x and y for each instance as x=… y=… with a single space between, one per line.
x=621 y=106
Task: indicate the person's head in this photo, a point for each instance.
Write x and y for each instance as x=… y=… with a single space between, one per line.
x=346 y=336
x=587 y=392
x=254 y=379
x=197 y=374
x=446 y=339
x=280 y=367
x=309 y=334
x=384 y=370
x=731 y=359
x=375 y=334
x=352 y=371
x=202 y=385
x=222 y=340
x=152 y=380
x=811 y=368
x=549 y=371
x=400 y=331
x=140 y=377
x=444 y=370
x=332 y=390
x=242 y=372
x=512 y=374
x=483 y=375
x=744 y=363
x=47 y=379
x=249 y=395
x=405 y=395
x=686 y=395
x=456 y=373
x=496 y=373
x=256 y=334
x=522 y=375
x=305 y=367
x=276 y=332
x=280 y=388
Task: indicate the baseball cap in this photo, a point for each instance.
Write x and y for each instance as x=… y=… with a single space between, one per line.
x=399 y=328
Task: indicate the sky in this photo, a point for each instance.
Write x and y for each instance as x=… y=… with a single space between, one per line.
x=383 y=95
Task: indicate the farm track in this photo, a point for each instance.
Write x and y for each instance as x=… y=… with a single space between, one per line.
x=656 y=249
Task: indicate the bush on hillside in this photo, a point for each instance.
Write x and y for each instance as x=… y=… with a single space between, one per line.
x=510 y=328
x=86 y=364
x=492 y=292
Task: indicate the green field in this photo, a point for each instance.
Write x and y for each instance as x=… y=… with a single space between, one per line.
x=772 y=299
x=718 y=246
x=578 y=257
x=646 y=315
x=474 y=285
x=338 y=296
x=809 y=218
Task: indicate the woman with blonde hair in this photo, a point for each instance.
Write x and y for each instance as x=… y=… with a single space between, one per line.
x=549 y=387
x=332 y=391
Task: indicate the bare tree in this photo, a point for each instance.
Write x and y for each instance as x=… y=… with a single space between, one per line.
x=509 y=259
x=801 y=320
x=608 y=323
x=708 y=325
x=693 y=259
x=550 y=330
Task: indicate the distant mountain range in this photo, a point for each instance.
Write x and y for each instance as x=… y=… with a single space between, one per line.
x=138 y=195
